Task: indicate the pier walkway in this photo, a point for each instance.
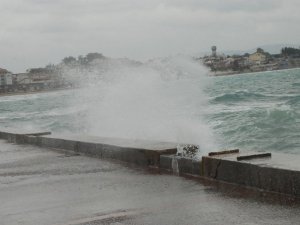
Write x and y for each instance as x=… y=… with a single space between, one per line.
x=44 y=186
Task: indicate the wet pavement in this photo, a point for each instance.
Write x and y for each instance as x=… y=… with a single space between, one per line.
x=43 y=186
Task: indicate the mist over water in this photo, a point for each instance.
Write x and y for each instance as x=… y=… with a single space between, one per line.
x=161 y=100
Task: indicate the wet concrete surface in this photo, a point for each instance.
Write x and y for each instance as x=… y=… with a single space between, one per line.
x=277 y=160
x=122 y=142
x=43 y=186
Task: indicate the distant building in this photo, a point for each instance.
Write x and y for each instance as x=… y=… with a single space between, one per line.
x=22 y=78
x=3 y=71
x=214 y=51
x=6 y=80
x=38 y=75
x=257 y=58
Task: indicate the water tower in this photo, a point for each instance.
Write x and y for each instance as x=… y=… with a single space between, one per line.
x=214 y=51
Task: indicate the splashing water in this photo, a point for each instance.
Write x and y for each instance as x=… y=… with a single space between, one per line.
x=160 y=100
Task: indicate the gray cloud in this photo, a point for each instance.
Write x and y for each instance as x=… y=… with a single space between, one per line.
x=37 y=32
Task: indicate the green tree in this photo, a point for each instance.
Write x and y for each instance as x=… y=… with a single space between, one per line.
x=260 y=50
x=82 y=60
x=288 y=51
x=69 y=60
x=92 y=56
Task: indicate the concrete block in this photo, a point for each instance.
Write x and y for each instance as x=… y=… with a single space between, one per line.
x=39 y=133
x=70 y=145
x=263 y=174
x=20 y=137
x=49 y=142
x=89 y=148
x=119 y=151
x=15 y=138
x=253 y=156
x=166 y=162
x=129 y=155
x=188 y=166
x=224 y=152
x=33 y=140
x=136 y=152
x=141 y=157
x=139 y=152
x=3 y=135
x=181 y=165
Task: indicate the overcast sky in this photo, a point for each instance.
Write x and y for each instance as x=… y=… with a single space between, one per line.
x=34 y=33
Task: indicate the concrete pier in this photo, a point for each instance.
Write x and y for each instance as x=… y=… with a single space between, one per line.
x=275 y=173
x=138 y=152
x=47 y=186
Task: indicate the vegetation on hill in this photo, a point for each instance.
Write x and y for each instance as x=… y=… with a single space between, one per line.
x=82 y=60
x=288 y=51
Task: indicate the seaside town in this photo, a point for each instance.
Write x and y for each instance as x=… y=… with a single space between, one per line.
x=221 y=64
x=52 y=77
x=36 y=79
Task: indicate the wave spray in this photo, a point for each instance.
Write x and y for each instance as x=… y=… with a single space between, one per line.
x=160 y=100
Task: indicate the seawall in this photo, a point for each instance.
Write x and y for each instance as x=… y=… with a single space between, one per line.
x=275 y=173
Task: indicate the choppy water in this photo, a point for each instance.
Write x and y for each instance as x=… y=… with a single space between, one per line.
x=258 y=111
x=251 y=111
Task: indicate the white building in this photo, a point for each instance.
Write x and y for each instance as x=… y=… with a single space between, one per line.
x=22 y=78
x=5 y=77
x=257 y=58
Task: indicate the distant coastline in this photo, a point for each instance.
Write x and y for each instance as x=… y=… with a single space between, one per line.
x=213 y=74
x=231 y=73
x=259 y=61
x=33 y=92
x=69 y=72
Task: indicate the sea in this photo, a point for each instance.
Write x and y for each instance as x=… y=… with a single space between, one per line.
x=255 y=111
x=258 y=111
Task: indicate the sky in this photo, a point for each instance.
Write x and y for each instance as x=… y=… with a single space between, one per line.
x=34 y=33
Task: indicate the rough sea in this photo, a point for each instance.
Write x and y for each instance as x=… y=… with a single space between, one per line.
x=257 y=111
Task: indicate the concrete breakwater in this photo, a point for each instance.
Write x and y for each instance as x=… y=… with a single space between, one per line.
x=139 y=152
x=277 y=173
